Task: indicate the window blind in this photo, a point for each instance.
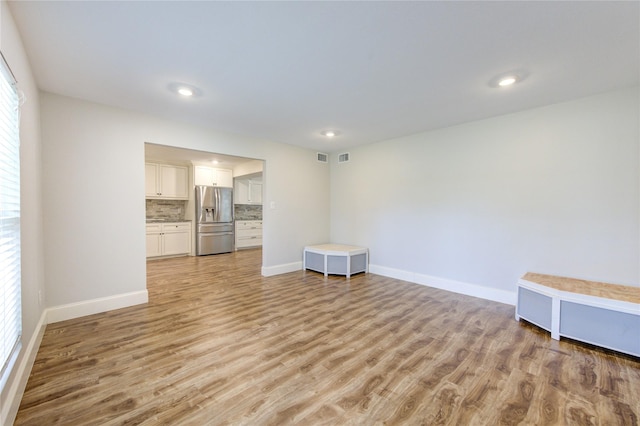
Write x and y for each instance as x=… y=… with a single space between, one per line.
x=10 y=273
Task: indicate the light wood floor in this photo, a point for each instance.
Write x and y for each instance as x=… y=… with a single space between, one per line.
x=218 y=344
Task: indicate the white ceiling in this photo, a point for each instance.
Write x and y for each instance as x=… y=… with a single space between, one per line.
x=285 y=71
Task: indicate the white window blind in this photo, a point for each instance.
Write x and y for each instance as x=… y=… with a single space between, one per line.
x=10 y=275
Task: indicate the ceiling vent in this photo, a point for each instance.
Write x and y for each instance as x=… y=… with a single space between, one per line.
x=322 y=157
x=343 y=158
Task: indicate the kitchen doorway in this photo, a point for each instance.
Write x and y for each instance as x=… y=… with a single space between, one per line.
x=171 y=177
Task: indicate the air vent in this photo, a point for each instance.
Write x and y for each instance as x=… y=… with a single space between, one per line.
x=322 y=157
x=343 y=158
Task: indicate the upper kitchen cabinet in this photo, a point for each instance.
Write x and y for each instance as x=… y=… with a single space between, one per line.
x=166 y=181
x=255 y=192
x=248 y=191
x=213 y=177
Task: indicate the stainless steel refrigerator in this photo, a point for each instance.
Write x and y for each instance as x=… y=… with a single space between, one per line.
x=214 y=220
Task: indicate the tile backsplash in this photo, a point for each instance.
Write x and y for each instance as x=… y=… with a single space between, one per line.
x=175 y=210
x=166 y=209
x=247 y=212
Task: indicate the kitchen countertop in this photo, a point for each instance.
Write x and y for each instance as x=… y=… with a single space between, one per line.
x=167 y=220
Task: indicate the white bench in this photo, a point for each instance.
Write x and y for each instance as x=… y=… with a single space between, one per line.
x=336 y=259
x=606 y=315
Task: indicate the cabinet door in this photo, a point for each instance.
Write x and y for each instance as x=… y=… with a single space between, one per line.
x=204 y=176
x=241 y=192
x=178 y=242
x=154 y=246
x=174 y=182
x=151 y=180
x=256 y=193
x=213 y=177
x=224 y=177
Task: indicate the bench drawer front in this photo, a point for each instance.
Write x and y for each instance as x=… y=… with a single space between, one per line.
x=599 y=326
x=535 y=308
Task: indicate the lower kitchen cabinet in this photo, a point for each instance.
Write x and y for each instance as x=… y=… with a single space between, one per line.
x=154 y=241
x=248 y=233
x=168 y=239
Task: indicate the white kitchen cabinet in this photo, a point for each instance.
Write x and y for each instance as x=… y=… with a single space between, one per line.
x=154 y=240
x=241 y=192
x=168 y=239
x=255 y=192
x=204 y=175
x=248 y=191
x=166 y=181
x=248 y=233
x=212 y=176
x=225 y=178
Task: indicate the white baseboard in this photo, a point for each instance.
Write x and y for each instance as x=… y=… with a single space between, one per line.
x=270 y=271
x=95 y=306
x=475 y=290
x=16 y=390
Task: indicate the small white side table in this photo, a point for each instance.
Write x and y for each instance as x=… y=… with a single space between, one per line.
x=336 y=259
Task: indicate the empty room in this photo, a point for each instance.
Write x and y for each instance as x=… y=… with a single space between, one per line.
x=320 y=213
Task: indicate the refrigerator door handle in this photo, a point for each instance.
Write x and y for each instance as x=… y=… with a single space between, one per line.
x=216 y=212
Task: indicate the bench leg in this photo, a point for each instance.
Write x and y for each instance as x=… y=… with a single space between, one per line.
x=325 y=266
x=555 y=318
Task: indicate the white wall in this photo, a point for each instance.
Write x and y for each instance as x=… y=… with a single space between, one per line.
x=31 y=213
x=94 y=217
x=250 y=167
x=552 y=190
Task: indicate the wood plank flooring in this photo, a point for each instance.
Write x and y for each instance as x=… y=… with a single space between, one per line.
x=220 y=345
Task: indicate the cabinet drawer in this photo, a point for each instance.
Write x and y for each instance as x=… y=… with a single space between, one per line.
x=249 y=233
x=248 y=241
x=249 y=224
x=168 y=227
x=155 y=227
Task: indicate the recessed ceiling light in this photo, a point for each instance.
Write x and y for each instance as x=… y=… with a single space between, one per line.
x=185 y=90
x=214 y=161
x=330 y=133
x=507 y=81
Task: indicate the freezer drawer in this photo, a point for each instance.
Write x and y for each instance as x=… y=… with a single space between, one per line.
x=210 y=228
x=214 y=243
